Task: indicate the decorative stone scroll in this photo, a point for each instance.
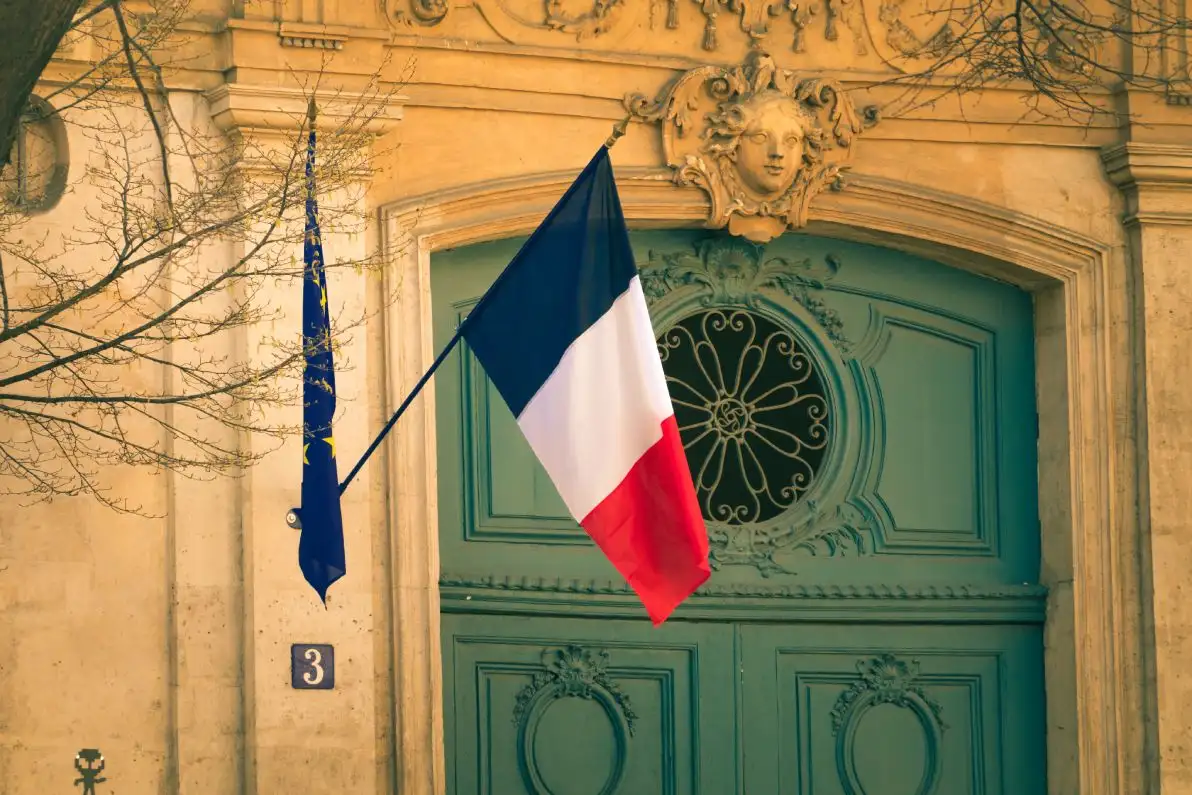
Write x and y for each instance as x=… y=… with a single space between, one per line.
x=755 y=18
x=761 y=142
x=522 y=21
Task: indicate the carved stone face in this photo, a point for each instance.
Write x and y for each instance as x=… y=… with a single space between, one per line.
x=771 y=147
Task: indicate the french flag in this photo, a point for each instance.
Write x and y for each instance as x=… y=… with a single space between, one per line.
x=565 y=337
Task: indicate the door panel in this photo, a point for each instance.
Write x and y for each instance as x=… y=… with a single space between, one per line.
x=537 y=706
x=933 y=375
x=892 y=711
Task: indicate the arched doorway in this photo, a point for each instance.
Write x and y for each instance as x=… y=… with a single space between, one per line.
x=862 y=428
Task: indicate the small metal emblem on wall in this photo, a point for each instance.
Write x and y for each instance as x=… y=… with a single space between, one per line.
x=312 y=666
x=90 y=764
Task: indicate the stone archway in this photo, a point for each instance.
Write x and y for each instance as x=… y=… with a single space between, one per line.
x=1095 y=717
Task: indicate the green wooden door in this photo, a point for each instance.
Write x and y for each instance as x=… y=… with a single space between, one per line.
x=861 y=428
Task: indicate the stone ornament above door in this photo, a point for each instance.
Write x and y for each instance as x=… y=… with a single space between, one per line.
x=782 y=22
x=757 y=139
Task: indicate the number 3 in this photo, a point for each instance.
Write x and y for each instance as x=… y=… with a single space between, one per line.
x=315 y=659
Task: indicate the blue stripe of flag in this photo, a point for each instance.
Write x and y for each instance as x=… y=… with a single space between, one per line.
x=564 y=279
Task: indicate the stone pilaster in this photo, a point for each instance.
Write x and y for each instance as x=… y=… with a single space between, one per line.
x=269 y=737
x=1156 y=184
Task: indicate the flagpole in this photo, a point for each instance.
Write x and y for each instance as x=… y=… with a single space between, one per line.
x=619 y=130
x=405 y=404
x=312 y=114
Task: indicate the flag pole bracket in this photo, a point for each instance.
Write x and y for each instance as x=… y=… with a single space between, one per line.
x=619 y=129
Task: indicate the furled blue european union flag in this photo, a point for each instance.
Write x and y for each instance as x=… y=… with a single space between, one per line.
x=321 y=550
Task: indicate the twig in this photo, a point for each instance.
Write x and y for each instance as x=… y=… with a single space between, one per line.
x=127 y=43
x=3 y=297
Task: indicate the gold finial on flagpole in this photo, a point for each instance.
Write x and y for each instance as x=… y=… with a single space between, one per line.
x=312 y=111
x=618 y=130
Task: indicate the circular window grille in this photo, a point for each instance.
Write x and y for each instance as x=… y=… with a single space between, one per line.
x=752 y=412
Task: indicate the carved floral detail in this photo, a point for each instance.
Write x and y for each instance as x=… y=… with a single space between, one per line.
x=832 y=531
x=592 y=23
x=754 y=18
x=907 y=42
x=767 y=142
x=843 y=11
x=884 y=680
x=424 y=12
x=935 y=31
x=576 y=672
x=736 y=273
x=595 y=21
x=756 y=15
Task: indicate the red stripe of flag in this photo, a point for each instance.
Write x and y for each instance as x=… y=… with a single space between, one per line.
x=651 y=529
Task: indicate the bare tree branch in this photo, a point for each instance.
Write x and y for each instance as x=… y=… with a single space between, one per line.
x=1066 y=57
x=121 y=340
x=128 y=41
x=3 y=298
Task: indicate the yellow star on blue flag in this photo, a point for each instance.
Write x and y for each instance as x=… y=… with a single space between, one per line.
x=321 y=549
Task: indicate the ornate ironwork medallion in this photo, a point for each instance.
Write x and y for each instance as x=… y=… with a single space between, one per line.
x=752 y=412
x=748 y=344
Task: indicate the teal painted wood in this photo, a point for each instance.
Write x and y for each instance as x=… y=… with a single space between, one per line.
x=540 y=706
x=892 y=710
x=495 y=501
x=895 y=604
x=930 y=473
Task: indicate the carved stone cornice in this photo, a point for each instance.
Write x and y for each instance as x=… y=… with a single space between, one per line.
x=292 y=27
x=247 y=108
x=321 y=37
x=1131 y=165
x=270 y=124
x=1155 y=180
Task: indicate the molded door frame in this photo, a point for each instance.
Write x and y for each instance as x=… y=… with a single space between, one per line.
x=1096 y=702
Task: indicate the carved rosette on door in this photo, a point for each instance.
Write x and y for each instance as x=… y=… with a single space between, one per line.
x=886 y=679
x=572 y=671
x=762 y=375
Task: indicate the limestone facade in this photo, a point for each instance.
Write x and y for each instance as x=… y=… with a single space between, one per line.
x=165 y=642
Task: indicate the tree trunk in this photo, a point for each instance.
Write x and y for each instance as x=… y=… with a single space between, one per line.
x=30 y=31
